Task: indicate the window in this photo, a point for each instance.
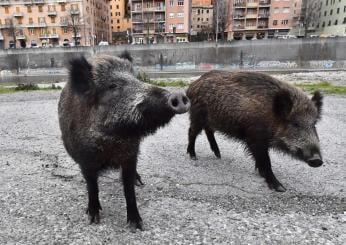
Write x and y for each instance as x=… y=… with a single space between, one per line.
x=326 y=2
x=325 y=13
x=51 y=8
x=53 y=20
x=171 y=2
x=6 y=10
x=276 y=10
x=17 y=9
x=171 y=15
x=65 y=30
x=286 y=10
x=62 y=7
x=329 y=23
x=336 y=22
x=180 y=2
x=338 y=10
x=275 y=22
x=40 y=9
x=284 y=22
x=207 y=11
x=323 y=24
x=20 y=21
x=180 y=26
x=41 y=20
x=344 y=21
x=29 y=9
x=198 y=11
x=117 y=6
x=118 y=21
x=331 y=12
x=30 y=20
x=54 y=31
x=180 y=15
x=31 y=31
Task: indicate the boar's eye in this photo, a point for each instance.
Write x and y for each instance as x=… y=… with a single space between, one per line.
x=112 y=86
x=295 y=124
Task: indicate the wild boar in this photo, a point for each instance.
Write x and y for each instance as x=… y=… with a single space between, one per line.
x=260 y=111
x=104 y=113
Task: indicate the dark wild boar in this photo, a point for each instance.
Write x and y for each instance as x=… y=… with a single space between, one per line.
x=260 y=111
x=104 y=112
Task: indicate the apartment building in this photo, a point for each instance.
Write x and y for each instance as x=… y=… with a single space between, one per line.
x=249 y=19
x=36 y=23
x=120 y=21
x=281 y=17
x=202 y=17
x=158 y=21
x=332 y=18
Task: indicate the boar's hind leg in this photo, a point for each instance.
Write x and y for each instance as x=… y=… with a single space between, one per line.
x=213 y=145
x=129 y=176
x=193 y=132
x=93 y=192
x=138 y=181
x=261 y=155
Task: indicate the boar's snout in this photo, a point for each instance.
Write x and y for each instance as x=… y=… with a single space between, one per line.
x=315 y=161
x=179 y=103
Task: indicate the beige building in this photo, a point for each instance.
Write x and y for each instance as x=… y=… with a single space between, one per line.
x=249 y=19
x=120 y=21
x=332 y=20
x=178 y=21
x=158 y=21
x=32 y=23
x=202 y=17
x=281 y=17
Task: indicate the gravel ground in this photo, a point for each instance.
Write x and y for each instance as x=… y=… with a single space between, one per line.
x=209 y=201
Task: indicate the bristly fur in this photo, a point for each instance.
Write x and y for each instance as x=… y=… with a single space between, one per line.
x=317 y=98
x=258 y=110
x=80 y=74
x=126 y=55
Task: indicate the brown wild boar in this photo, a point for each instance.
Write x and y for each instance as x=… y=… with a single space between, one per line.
x=260 y=111
x=104 y=113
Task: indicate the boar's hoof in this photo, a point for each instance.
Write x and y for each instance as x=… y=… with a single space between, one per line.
x=94 y=215
x=218 y=155
x=134 y=225
x=138 y=181
x=277 y=186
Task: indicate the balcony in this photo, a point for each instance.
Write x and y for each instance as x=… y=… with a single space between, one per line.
x=137 y=10
x=18 y=15
x=38 y=1
x=238 y=27
x=262 y=26
x=263 y=15
x=4 y=26
x=239 y=16
x=61 y=1
x=43 y=36
x=264 y=3
x=154 y=9
x=74 y=12
x=64 y=23
x=52 y=13
x=78 y=35
x=252 y=4
x=251 y=27
x=53 y=36
x=239 y=5
x=137 y=31
x=251 y=16
x=4 y=2
x=20 y=37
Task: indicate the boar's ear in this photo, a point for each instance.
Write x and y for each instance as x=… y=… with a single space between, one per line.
x=126 y=56
x=80 y=74
x=282 y=104
x=317 y=98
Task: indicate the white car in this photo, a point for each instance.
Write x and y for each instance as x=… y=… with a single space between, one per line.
x=103 y=43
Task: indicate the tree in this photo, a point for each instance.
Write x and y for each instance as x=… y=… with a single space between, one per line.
x=11 y=30
x=74 y=24
x=311 y=13
x=221 y=17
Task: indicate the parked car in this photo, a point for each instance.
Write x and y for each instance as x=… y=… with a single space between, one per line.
x=103 y=43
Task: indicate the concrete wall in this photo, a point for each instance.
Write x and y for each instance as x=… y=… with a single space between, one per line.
x=292 y=53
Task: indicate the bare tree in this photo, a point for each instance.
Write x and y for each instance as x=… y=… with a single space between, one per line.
x=311 y=13
x=221 y=17
x=11 y=30
x=74 y=24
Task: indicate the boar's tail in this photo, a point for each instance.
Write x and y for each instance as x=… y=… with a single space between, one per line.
x=126 y=56
x=80 y=74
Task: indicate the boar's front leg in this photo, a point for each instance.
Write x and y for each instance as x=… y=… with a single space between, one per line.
x=94 y=206
x=129 y=176
x=261 y=155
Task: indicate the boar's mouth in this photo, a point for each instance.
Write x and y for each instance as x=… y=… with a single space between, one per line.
x=315 y=160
